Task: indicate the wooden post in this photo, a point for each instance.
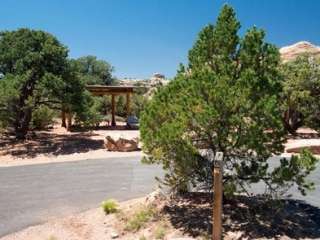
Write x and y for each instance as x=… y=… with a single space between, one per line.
x=217 y=204
x=128 y=105
x=113 y=121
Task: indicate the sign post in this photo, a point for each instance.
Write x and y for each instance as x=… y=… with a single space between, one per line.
x=217 y=191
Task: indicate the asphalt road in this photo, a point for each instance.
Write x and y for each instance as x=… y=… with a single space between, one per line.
x=312 y=197
x=31 y=194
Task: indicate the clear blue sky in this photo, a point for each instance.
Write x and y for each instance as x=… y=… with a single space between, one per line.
x=140 y=37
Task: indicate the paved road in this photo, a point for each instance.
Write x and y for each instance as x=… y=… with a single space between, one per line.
x=312 y=197
x=31 y=194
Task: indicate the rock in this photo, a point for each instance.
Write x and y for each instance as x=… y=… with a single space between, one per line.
x=289 y=53
x=114 y=235
x=122 y=144
x=111 y=144
x=151 y=84
x=152 y=197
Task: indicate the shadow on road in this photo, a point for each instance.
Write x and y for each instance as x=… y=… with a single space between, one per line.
x=251 y=216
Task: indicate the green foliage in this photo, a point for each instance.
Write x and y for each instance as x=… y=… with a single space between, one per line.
x=295 y=171
x=93 y=71
x=42 y=117
x=110 y=206
x=35 y=72
x=301 y=93
x=140 y=218
x=34 y=62
x=8 y=94
x=139 y=103
x=121 y=107
x=160 y=231
x=227 y=101
x=91 y=115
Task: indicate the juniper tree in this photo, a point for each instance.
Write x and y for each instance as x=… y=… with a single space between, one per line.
x=227 y=100
x=301 y=93
x=95 y=71
x=35 y=71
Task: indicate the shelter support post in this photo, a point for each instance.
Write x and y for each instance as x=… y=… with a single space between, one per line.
x=113 y=121
x=128 y=105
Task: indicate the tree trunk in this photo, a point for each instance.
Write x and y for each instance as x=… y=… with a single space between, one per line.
x=22 y=123
x=292 y=120
x=23 y=111
x=63 y=119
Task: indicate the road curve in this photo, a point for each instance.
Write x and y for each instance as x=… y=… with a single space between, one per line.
x=32 y=194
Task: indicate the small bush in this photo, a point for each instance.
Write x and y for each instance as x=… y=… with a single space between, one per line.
x=142 y=238
x=42 y=117
x=160 y=232
x=140 y=218
x=52 y=238
x=110 y=206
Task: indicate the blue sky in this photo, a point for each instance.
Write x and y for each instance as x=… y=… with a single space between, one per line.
x=140 y=37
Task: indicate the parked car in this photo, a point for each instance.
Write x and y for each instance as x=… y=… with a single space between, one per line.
x=133 y=122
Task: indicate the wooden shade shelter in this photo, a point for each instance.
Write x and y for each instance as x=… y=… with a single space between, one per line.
x=100 y=90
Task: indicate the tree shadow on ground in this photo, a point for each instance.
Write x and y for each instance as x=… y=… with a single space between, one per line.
x=250 y=217
x=50 y=143
x=109 y=128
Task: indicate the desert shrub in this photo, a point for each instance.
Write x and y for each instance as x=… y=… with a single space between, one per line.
x=140 y=218
x=121 y=107
x=160 y=231
x=42 y=117
x=110 y=206
x=142 y=238
x=52 y=238
x=226 y=100
x=139 y=103
x=91 y=115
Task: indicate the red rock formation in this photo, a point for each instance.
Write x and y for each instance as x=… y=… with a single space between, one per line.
x=291 y=52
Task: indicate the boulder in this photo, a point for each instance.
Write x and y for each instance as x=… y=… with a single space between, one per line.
x=122 y=144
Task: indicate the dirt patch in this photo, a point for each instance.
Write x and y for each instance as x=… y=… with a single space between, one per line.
x=50 y=143
x=58 y=145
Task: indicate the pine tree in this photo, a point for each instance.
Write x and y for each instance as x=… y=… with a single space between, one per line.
x=226 y=101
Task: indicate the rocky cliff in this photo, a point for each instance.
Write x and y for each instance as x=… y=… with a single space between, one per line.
x=291 y=52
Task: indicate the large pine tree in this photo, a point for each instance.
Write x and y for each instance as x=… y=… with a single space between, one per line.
x=225 y=100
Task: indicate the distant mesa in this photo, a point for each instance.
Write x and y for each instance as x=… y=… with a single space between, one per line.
x=151 y=84
x=291 y=52
x=155 y=80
